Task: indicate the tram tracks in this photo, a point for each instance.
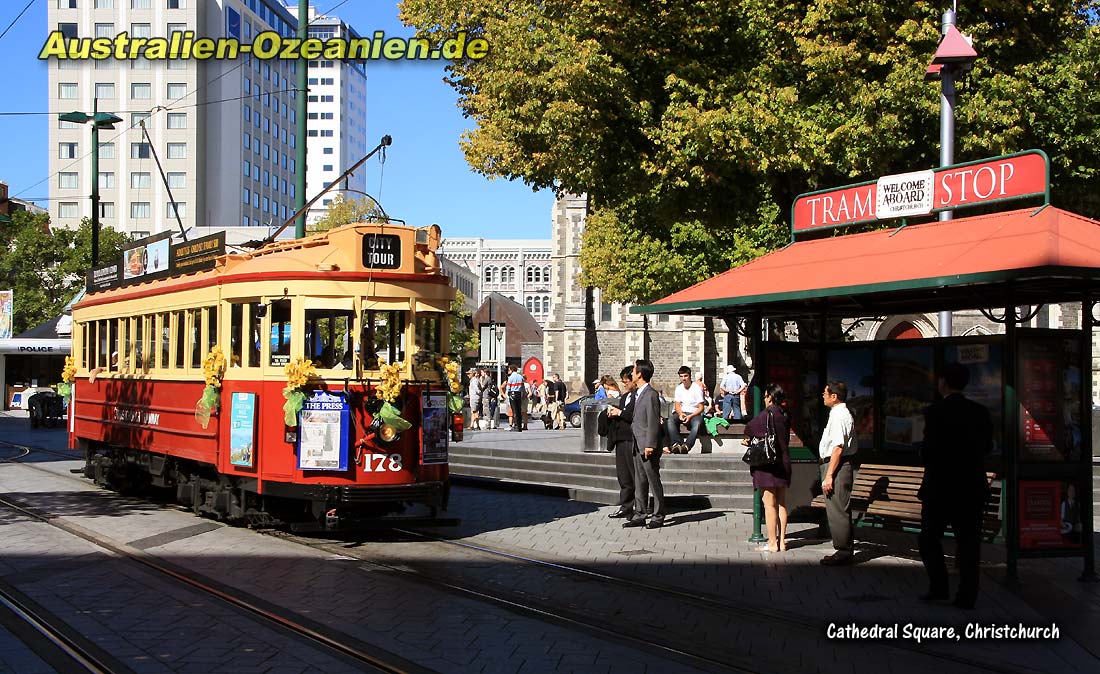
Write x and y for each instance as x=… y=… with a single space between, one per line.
x=365 y=656
x=624 y=627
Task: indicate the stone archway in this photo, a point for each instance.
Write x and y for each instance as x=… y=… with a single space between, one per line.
x=912 y=326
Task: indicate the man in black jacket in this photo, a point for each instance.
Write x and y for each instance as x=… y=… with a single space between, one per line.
x=958 y=434
x=646 y=427
x=620 y=412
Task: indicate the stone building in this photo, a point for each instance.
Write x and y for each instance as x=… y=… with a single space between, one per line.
x=519 y=269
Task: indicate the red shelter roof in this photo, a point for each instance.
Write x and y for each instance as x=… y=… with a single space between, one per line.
x=1029 y=256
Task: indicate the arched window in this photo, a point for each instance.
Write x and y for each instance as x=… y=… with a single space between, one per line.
x=530 y=302
x=546 y=275
x=545 y=305
x=489 y=272
x=509 y=275
x=530 y=274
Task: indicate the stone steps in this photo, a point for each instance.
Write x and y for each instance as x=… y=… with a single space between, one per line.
x=720 y=481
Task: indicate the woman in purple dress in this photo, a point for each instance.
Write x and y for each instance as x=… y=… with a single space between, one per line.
x=774 y=479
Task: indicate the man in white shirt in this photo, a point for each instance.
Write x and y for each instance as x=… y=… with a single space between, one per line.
x=836 y=451
x=688 y=404
x=731 y=389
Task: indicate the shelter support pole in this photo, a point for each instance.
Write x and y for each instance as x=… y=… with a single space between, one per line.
x=1084 y=491
x=760 y=372
x=1011 y=490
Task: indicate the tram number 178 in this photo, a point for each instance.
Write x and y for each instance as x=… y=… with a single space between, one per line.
x=380 y=463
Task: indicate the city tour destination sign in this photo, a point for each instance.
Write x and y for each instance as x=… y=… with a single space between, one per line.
x=1016 y=176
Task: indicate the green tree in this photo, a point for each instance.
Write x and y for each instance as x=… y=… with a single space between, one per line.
x=46 y=267
x=464 y=337
x=343 y=211
x=693 y=124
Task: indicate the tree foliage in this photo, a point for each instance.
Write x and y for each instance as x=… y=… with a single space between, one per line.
x=344 y=211
x=693 y=124
x=464 y=337
x=46 y=267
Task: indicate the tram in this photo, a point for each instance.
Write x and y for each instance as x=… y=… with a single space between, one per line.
x=303 y=382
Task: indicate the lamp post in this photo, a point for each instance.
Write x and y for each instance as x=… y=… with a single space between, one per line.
x=99 y=120
x=954 y=57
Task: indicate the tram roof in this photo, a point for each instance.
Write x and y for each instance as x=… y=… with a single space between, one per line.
x=331 y=255
x=1028 y=256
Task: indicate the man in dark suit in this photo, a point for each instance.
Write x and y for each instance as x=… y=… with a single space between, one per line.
x=646 y=427
x=958 y=434
x=620 y=412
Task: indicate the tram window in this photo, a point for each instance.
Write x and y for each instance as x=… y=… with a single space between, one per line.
x=211 y=328
x=85 y=345
x=139 y=345
x=116 y=343
x=280 y=332
x=428 y=329
x=328 y=338
x=195 y=332
x=164 y=338
x=179 y=323
x=383 y=337
x=236 y=329
x=255 y=333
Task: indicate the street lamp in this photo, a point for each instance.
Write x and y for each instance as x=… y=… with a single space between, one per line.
x=954 y=57
x=100 y=120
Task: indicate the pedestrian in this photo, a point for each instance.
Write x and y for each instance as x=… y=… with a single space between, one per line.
x=620 y=412
x=646 y=428
x=688 y=409
x=601 y=392
x=560 y=393
x=610 y=386
x=730 y=391
x=542 y=404
x=489 y=394
x=837 y=451
x=774 y=479
x=958 y=434
x=475 y=396
x=515 y=398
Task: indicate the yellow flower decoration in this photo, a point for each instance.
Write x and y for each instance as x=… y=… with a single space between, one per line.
x=390 y=387
x=68 y=373
x=299 y=372
x=213 y=367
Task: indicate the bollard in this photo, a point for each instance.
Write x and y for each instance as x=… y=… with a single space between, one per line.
x=757 y=515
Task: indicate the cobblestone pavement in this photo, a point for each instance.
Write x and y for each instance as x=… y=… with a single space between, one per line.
x=699 y=551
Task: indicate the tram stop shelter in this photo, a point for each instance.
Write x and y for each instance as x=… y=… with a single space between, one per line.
x=1036 y=382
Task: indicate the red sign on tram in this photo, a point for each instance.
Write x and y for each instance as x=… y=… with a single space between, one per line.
x=913 y=194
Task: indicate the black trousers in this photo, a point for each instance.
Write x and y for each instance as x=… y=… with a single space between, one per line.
x=516 y=402
x=965 y=521
x=624 y=471
x=647 y=477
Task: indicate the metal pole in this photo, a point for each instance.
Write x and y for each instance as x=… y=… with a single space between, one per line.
x=301 y=108
x=1084 y=494
x=758 y=383
x=95 y=183
x=947 y=139
x=1010 y=490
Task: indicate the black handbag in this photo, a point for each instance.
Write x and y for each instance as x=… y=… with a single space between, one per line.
x=763 y=451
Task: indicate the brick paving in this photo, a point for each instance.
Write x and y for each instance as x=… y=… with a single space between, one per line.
x=702 y=551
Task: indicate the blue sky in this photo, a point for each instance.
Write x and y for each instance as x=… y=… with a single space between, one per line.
x=426 y=178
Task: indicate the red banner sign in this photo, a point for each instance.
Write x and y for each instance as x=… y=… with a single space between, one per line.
x=958 y=186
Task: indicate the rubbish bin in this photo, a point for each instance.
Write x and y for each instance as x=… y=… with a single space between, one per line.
x=591 y=440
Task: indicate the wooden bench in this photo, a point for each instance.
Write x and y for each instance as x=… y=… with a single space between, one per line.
x=886 y=496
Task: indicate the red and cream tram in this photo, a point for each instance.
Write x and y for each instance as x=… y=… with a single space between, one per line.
x=302 y=380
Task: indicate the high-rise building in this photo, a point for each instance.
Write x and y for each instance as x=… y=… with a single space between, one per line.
x=336 y=124
x=224 y=131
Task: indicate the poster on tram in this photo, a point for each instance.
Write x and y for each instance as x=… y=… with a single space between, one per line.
x=323 y=426
x=436 y=425
x=242 y=431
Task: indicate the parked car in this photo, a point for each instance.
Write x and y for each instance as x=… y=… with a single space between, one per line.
x=573 y=410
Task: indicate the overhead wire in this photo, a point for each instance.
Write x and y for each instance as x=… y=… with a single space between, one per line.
x=19 y=16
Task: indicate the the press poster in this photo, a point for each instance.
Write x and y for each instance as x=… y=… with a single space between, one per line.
x=436 y=418
x=323 y=426
x=242 y=431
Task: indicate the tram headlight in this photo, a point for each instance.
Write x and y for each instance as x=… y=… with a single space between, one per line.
x=384 y=432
